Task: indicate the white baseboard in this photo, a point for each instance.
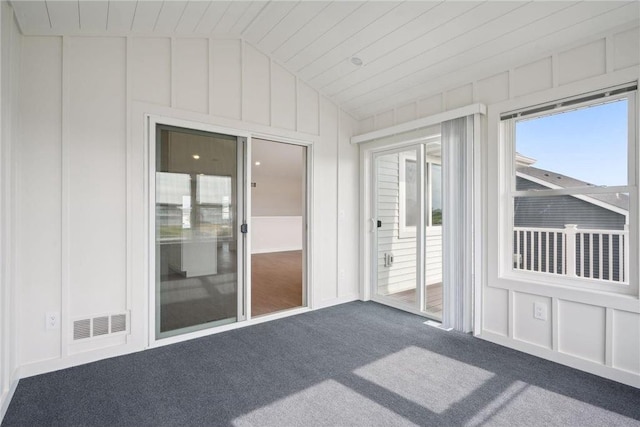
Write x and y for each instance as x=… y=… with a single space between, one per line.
x=625 y=377
x=51 y=365
x=5 y=398
x=336 y=301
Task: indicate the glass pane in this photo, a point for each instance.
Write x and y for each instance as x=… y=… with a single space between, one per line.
x=578 y=148
x=278 y=211
x=398 y=212
x=196 y=247
x=580 y=236
x=436 y=194
x=433 y=244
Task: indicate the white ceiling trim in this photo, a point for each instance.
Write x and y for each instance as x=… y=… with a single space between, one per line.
x=420 y=123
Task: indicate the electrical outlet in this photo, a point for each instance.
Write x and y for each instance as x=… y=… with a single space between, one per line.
x=540 y=311
x=52 y=320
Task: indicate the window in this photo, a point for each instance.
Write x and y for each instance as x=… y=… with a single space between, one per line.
x=408 y=191
x=571 y=196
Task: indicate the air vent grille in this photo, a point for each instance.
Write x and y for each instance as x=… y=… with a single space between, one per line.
x=103 y=325
x=81 y=329
x=100 y=325
x=118 y=323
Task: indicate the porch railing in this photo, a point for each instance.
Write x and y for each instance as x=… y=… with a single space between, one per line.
x=570 y=251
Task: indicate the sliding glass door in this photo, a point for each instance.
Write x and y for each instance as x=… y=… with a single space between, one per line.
x=198 y=213
x=407 y=248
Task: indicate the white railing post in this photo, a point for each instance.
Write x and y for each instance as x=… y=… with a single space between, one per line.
x=625 y=259
x=570 y=231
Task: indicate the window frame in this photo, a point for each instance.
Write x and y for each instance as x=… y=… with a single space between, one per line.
x=409 y=231
x=507 y=176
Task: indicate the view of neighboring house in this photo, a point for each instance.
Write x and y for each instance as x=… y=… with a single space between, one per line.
x=542 y=224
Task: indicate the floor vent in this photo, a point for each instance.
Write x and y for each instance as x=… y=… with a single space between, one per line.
x=99 y=326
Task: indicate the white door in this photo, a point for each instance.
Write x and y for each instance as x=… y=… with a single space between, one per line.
x=407 y=247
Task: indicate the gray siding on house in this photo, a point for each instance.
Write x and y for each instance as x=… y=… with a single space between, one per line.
x=544 y=251
x=556 y=211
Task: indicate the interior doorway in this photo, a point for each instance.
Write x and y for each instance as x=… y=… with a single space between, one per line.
x=228 y=228
x=278 y=226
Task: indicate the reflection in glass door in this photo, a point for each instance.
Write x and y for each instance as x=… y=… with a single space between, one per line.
x=408 y=198
x=198 y=264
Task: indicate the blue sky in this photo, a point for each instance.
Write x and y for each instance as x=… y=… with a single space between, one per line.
x=589 y=144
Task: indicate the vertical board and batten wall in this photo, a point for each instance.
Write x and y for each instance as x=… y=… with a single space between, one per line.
x=82 y=173
x=10 y=51
x=401 y=276
x=599 y=337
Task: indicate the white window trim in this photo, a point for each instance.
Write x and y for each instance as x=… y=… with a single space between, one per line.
x=501 y=273
x=409 y=231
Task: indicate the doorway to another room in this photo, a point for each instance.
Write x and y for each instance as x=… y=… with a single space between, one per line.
x=228 y=226
x=278 y=218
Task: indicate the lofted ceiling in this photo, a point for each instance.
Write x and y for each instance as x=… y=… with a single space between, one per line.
x=408 y=49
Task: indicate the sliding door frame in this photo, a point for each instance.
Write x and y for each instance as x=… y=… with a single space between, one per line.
x=368 y=152
x=419 y=148
x=244 y=241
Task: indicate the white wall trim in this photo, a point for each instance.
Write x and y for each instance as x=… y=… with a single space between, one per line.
x=619 y=375
x=435 y=119
x=5 y=398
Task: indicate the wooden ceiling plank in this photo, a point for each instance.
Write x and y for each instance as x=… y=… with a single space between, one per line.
x=93 y=15
x=32 y=16
x=64 y=15
x=270 y=17
x=320 y=24
x=169 y=17
x=211 y=17
x=448 y=30
x=396 y=18
x=345 y=28
x=120 y=16
x=234 y=12
x=191 y=17
x=436 y=17
x=247 y=17
x=291 y=24
x=146 y=15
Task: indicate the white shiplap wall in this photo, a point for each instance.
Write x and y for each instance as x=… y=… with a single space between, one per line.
x=408 y=48
x=597 y=334
x=81 y=172
x=10 y=41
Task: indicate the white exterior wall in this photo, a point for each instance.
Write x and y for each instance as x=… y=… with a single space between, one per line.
x=81 y=236
x=596 y=333
x=401 y=276
x=10 y=49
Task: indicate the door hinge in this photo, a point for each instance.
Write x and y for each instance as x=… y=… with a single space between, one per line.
x=244 y=228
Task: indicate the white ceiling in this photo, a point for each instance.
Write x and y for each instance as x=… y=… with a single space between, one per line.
x=409 y=49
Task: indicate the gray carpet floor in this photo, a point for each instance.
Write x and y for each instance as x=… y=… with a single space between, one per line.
x=355 y=364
